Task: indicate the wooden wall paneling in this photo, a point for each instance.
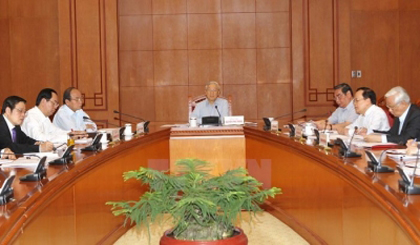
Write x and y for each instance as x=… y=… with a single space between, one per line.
x=342 y=36
x=380 y=5
x=409 y=58
x=170 y=32
x=244 y=100
x=34 y=46
x=89 y=54
x=229 y=6
x=239 y=66
x=136 y=68
x=273 y=100
x=169 y=6
x=320 y=51
x=238 y=30
x=204 y=31
x=209 y=6
x=298 y=72
x=272 y=5
x=374 y=45
x=135 y=32
x=5 y=68
x=170 y=67
x=132 y=7
x=204 y=66
x=171 y=103
x=273 y=66
x=143 y=107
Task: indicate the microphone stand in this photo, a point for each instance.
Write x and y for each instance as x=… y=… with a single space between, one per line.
x=145 y=125
x=407 y=185
x=220 y=116
x=267 y=121
x=347 y=153
x=376 y=166
x=6 y=190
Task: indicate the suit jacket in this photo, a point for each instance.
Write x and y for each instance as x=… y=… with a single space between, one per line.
x=410 y=129
x=23 y=142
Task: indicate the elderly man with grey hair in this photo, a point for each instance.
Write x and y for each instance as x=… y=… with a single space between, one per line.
x=212 y=105
x=407 y=119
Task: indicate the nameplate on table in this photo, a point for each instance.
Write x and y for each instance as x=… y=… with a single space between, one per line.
x=298 y=131
x=234 y=120
x=324 y=139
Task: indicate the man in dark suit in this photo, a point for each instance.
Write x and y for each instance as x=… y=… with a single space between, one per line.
x=11 y=136
x=407 y=119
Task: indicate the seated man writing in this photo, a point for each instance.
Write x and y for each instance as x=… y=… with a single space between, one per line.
x=371 y=117
x=345 y=114
x=212 y=105
x=37 y=123
x=407 y=119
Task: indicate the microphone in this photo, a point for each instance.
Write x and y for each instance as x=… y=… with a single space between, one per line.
x=218 y=112
x=128 y=115
x=39 y=173
x=326 y=123
x=112 y=124
x=346 y=151
x=126 y=121
x=6 y=190
x=145 y=125
x=267 y=121
x=375 y=165
x=407 y=185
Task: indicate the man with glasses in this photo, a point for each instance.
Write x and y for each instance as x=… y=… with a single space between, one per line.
x=371 y=117
x=37 y=123
x=11 y=135
x=345 y=112
x=407 y=119
x=71 y=115
x=212 y=105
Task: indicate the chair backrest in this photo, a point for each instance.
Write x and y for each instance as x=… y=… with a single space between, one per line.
x=192 y=102
x=382 y=104
x=418 y=102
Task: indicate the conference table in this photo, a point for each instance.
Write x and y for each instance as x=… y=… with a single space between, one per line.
x=326 y=199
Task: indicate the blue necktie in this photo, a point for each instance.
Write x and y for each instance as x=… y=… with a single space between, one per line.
x=14 y=135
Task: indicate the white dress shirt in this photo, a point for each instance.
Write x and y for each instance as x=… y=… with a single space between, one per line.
x=39 y=127
x=342 y=115
x=205 y=109
x=67 y=119
x=374 y=119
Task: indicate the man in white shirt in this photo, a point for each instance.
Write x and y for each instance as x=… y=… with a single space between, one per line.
x=371 y=117
x=345 y=113
x=37 y=123
x=71 y=116
x=213 y=105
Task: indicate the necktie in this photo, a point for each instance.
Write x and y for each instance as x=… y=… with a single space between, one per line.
x=14 y=135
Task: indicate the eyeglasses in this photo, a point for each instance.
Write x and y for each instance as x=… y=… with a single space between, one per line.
x=55 y=103
x=20 y=111
x=392 y=107
x=358 y=100
x=339 y=96
x=78 y=99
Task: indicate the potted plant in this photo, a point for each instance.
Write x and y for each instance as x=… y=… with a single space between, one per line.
x=203 y=207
